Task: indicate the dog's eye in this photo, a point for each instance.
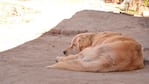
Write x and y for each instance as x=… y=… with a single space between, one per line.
x=73 y=45
x=79 y=40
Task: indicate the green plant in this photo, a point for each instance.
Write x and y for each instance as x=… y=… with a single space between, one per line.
x=146 y=3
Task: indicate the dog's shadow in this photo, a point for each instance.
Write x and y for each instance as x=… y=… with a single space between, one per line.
x=146 y=62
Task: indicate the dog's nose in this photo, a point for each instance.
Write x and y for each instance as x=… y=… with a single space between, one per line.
x=64 y=52
x=56 y=61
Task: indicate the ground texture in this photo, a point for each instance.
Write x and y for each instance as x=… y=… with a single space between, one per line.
x=26 y=64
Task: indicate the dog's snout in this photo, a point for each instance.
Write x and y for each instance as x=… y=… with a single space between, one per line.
x=64 y=52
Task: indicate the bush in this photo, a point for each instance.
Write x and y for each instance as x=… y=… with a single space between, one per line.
x=146 y=3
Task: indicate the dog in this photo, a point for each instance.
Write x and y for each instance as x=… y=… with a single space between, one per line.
x=101 y=52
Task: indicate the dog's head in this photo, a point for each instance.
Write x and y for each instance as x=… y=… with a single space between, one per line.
x=78 y=43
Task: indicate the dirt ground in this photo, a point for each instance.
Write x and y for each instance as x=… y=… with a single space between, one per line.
x=26 y=64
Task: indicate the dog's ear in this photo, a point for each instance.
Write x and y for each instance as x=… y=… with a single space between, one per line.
x=83 y=42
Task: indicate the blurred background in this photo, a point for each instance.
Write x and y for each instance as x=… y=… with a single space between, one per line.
x=25 y=20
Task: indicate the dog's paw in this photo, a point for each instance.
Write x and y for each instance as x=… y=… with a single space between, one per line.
x=50 y=66
x=59 y=58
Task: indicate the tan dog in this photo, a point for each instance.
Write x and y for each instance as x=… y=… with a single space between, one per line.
x=101 y=52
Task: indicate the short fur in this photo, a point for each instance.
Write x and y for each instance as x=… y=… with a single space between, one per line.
x=101 y=52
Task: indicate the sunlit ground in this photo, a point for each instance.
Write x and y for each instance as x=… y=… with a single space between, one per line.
x=22 y=21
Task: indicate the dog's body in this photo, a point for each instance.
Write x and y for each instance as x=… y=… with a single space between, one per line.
x=102 y=52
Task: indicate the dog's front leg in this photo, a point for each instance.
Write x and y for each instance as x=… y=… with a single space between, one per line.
x=66 y=58
x=68 y=62
x=68 y=65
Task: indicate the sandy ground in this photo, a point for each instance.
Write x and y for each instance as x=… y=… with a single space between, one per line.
x=26 y=64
